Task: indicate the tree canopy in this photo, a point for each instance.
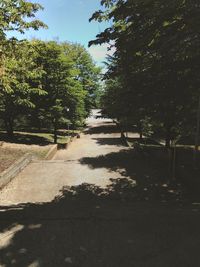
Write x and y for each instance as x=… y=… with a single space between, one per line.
x=42 y=84
x=155 y=69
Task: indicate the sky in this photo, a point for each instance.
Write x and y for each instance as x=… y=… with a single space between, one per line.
x=68 y=20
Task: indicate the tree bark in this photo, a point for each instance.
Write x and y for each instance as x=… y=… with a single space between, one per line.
x=140 y=130
x=167 y=142
x=197 y=134
x=168 y=137
x=55 y=132
x=9 y=126
x=141 y=135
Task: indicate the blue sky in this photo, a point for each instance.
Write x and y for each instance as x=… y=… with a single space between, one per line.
x=68 y=21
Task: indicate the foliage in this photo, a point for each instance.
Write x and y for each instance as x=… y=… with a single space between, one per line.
x=44 y=85
x=88 y=74
x=14 y=15
x=17 y=67
x=156 y=61
x=68 y=80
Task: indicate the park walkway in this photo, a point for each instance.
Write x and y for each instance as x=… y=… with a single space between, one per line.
x=45 y=222
x=42 y=181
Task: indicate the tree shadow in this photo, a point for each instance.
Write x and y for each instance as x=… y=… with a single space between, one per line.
x=89 y=226
x=150 y=171
x=24 y=138
x=109 y=141
x=144 y=141
x=138 y=220
x=187 y=140
x=147 y=173
x=107 y=128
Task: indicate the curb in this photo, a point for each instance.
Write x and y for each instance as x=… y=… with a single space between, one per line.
x=51 y=152
x=10 y=173
x=50 y=155
x=71 y=139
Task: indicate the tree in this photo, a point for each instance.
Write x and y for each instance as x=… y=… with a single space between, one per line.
x=19 y=83
x=157 y=52
x=65 y=99
x=55 y=81
x=15 y=71
x=14 y=15
x=49 y=84
x=88 y=74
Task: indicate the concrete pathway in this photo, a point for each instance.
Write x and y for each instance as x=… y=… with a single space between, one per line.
x=81 y=228
x=42 y=181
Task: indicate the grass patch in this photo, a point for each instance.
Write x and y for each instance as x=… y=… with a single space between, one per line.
x=9 y=155
x=33 y=138
x=35 y=143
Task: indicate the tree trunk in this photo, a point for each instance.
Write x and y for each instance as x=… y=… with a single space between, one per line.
x=55 y=132
x=140 y=130
x=167 y=142
x=141 y=135
x=197 y=134
x=174 y=164
x=9 y=126
x=168 y=137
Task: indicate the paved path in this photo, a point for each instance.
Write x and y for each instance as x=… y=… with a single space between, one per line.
x=42 y=181
x=81 y=228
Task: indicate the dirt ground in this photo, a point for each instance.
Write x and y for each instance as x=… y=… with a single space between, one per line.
x=8 y=157
x=10 y=152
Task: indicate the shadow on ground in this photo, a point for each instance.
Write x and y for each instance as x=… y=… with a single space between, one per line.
x=23 y=138
x=87 y=226
x=108 y=128
x=137 y=221
x=147 y=176
x=144 y=141
x=149 y=169
x=108 y=141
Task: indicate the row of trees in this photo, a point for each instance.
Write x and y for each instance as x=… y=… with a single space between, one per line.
x=153 y=79
x=42 y=84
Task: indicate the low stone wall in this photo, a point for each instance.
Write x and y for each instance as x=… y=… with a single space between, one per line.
x=71 y=139
x=14 y=169
x=55 y=148
x=64 y=145
x=51 y=152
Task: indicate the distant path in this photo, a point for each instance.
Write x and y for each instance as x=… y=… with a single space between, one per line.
x=42 y=181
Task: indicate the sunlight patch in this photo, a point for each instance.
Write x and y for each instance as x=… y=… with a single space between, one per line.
x=6 y=238
x=34 y=226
